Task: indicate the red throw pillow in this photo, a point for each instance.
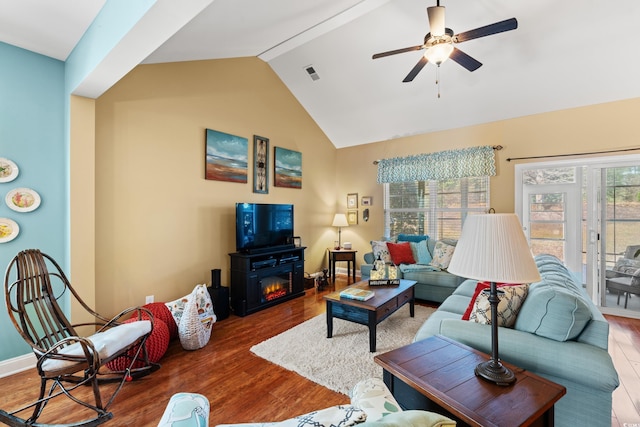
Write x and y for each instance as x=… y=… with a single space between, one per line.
x=479 y=288
x=401 y=253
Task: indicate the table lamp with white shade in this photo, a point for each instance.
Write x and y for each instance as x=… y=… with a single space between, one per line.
x=493 y=248
x=340 y=220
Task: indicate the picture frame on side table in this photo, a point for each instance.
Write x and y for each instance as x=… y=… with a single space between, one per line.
x=352 y=217
x=352 y=200
x=260 y=164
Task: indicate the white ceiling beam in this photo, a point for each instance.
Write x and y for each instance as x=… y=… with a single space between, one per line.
x=161 y=22
x=342 y=18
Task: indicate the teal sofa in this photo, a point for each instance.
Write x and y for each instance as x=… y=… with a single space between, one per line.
x=433 y=284
x=558 y=334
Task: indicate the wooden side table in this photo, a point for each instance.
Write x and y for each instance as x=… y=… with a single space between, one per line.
x=338 y=255
x=437 y=374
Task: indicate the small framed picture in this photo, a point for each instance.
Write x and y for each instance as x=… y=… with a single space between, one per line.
x=352 y=200
x=352 y=217
x=366 y=201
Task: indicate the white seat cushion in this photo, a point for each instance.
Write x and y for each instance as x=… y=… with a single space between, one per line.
x=107 y=343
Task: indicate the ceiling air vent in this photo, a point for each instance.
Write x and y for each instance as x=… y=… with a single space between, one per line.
x=312 y=72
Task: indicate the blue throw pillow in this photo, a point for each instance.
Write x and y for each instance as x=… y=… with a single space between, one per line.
x=421 y=252
x=412 y=237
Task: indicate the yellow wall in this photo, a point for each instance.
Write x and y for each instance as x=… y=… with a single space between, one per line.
x=589 y=129
x=160 y=226
x=82 y=203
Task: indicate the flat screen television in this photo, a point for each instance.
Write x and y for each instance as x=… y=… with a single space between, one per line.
x=263 y=226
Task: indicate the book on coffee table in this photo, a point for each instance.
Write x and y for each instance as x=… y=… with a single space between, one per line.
x=355 y=293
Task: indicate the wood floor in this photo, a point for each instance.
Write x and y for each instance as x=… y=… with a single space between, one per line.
x=242 y=387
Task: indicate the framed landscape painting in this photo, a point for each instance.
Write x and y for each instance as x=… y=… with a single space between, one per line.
x=226 y=157
x=288 y=168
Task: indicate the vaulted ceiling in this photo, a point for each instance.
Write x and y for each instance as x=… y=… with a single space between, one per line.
x=564 y=54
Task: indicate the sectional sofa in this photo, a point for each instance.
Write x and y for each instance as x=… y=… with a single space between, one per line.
x=558 y=334
x=434 y=282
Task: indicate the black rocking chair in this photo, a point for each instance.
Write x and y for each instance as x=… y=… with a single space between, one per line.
x=65 y=359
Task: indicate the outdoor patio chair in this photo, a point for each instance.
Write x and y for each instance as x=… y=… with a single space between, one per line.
x=36 y=290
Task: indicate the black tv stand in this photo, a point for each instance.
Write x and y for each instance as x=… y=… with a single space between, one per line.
x=259 y=251
x=263 y=279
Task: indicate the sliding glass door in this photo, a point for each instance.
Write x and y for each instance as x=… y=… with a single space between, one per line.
x=587 y=214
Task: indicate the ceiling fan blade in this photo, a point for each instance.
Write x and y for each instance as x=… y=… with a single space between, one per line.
x=436 y=20
x=465 y=60
x=415 y=70
x=395 y=52
x=487 y=30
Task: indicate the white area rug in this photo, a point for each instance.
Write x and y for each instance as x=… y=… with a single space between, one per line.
x=340 y=362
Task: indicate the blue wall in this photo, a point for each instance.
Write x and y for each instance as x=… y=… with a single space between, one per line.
x=32 y=117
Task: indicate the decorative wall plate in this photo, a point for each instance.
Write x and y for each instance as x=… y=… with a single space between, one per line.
x=8 y=230
x=8 y=170
x=23 y=199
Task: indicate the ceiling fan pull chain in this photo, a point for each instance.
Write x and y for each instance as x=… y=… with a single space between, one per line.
x=438 y=79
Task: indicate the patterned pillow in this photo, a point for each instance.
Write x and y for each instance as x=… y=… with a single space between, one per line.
x=511 y=300
x=340 y=415
x=373 y=396
x=379 y=247
x=421 y=252
x=442 y=253
x=480 y=286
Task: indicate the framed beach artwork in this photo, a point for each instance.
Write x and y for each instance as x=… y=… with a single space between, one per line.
x=260 y=162
x=226 y=157
x=287 y=168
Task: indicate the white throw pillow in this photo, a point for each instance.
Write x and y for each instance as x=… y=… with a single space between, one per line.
x=442 y=253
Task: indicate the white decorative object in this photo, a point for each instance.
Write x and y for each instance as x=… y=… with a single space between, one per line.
x=346 y=245
x=8 y=230
x=8 y=170
x=197 y=319
x=23 y=199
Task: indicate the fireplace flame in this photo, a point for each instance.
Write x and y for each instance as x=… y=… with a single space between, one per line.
x=274 y=291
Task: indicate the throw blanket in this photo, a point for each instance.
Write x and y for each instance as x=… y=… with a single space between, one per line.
x=418 y=267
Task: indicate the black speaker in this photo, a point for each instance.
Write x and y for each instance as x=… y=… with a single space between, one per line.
x=215 y=278
x=220 y=297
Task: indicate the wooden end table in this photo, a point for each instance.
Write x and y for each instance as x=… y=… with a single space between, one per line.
x=387 y=300
x=338 y=255
x=437 y=374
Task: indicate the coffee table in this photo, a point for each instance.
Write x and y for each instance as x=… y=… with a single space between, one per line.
x=437 y=374
x=386 y=301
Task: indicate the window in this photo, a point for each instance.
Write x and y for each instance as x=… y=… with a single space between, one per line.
x=436 y=208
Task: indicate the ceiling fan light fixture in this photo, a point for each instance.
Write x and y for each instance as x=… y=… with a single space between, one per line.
x=439 y=52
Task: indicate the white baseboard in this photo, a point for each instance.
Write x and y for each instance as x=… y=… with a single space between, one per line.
x=17 y=364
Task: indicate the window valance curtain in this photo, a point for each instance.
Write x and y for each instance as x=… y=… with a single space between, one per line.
x=443 y=165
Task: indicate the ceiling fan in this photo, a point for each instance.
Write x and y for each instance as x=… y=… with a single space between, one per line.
x=439 y=44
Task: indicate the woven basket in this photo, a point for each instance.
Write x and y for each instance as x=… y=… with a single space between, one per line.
x=197 y=319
